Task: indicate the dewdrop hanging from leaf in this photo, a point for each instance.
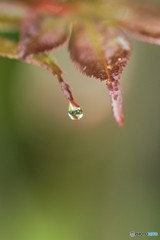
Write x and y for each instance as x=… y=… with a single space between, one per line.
x=95 y=32
x=74 y=111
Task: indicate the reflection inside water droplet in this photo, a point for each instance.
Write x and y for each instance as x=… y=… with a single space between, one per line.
x=74 y=111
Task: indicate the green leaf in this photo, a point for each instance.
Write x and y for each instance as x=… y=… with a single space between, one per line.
x=8 y=49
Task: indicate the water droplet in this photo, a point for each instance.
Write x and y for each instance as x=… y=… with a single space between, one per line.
x=74 y=111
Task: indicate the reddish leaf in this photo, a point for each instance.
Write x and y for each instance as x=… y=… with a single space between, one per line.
x=53 y=7
x=102 y=53
x=40 y=34
x=142 y=21
x=48 y=6
x=9 y=49
x=48 y=62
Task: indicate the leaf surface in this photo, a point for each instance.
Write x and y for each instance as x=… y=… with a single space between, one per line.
x=141 y=21
x=9 y=49
x=102 y=53
x=41 y=33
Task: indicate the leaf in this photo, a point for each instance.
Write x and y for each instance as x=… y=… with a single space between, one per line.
x=141 y=21
x=9 y=49
x=102 y=52
x=53 y=7
x=49 y=6
x=41 y=33
x=48 y=62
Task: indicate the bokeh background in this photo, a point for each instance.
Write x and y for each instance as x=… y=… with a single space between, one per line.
x=90 y=180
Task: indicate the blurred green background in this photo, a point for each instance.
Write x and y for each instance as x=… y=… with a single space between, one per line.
x=90 y=180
